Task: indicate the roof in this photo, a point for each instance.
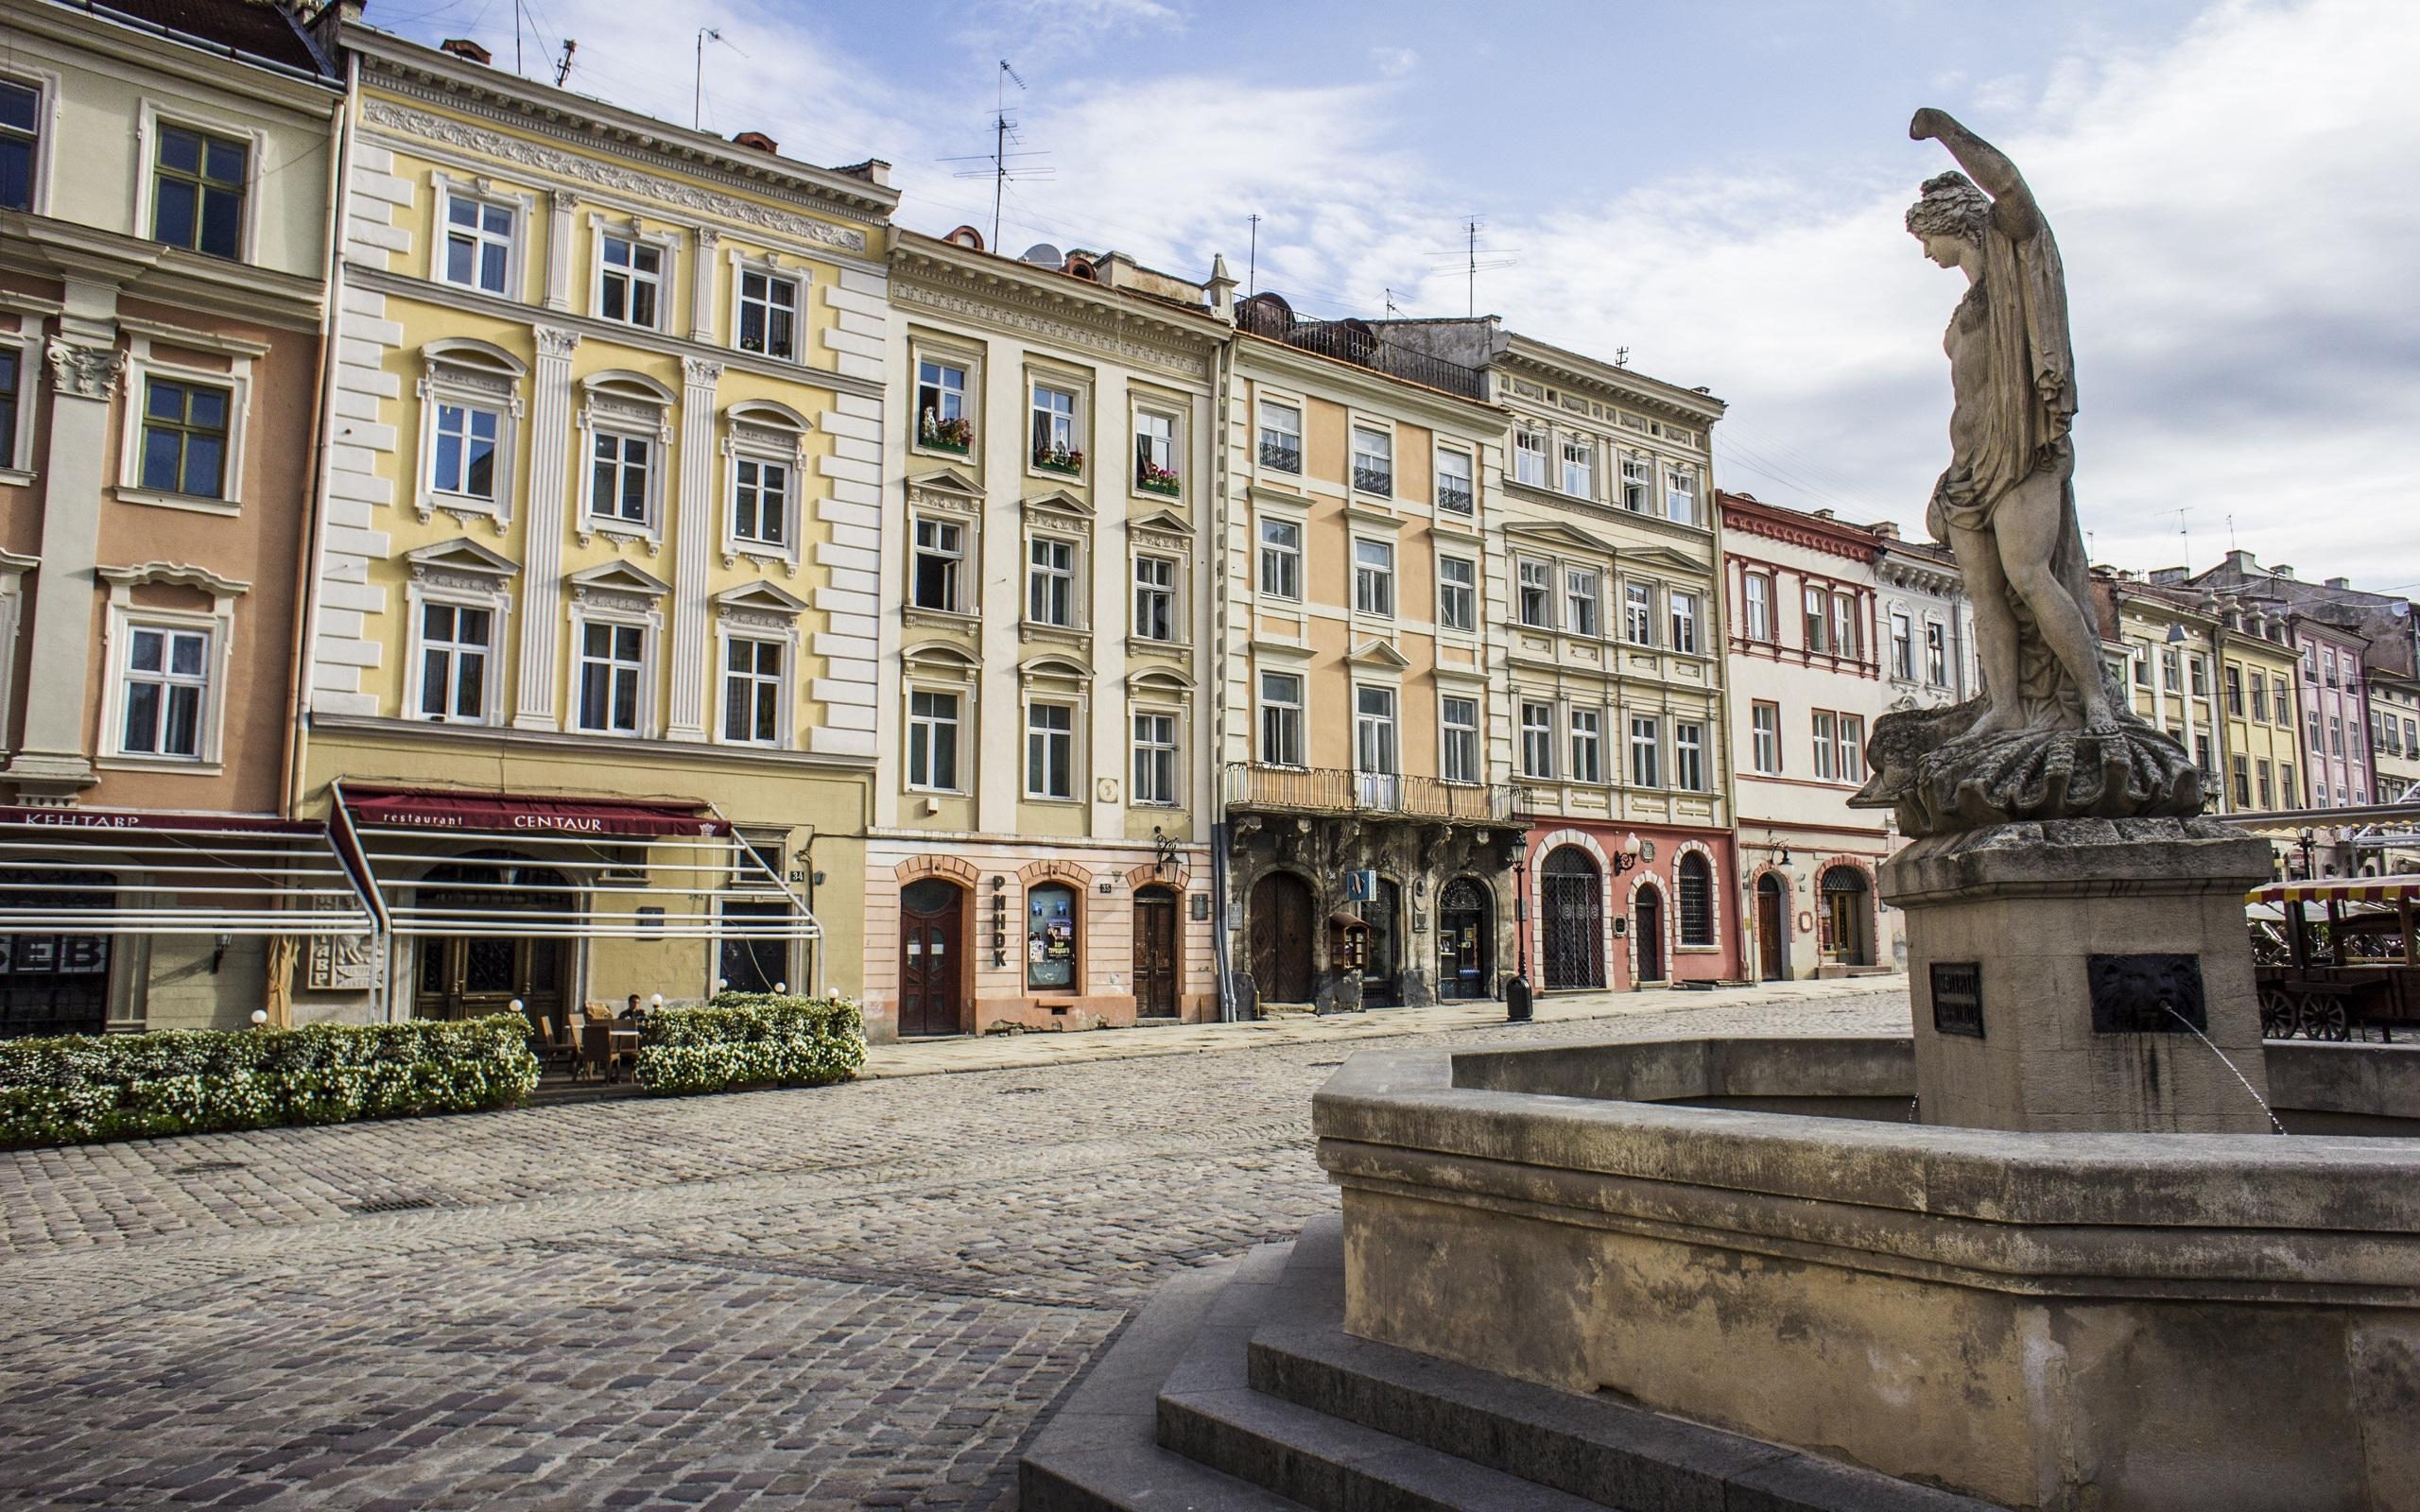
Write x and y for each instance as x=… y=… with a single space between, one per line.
x=254 y=29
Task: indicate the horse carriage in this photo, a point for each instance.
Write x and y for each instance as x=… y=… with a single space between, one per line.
x=2337 y=956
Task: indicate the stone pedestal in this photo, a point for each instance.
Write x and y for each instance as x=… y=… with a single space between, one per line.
x=2058 y=969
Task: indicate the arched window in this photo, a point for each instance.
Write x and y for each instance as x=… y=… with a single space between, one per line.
x=1050 y=921
x=1694 y=886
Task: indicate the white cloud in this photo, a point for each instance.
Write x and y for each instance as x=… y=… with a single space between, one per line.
x=1394 y=63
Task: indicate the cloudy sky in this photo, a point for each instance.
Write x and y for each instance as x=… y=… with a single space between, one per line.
x=1716 y=187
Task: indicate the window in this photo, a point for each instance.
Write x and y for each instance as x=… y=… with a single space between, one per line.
x=1579 y=467
x=1529 y=458
x=943 y=422
x=12 y=377
x=1852 y=761
x=454 y=647
x=2285 y=709
x=2142 y=659
x=1373 y=729
x=1455 y=492
x=184 y=438
x=1050 y=750
x=1050 y=582
x=932 y=741
x=1458 y=751
x=1281 y=719
x=1155 y=759
x=2286 y=788
x=1281 y=438
x=1638 y=485
x=463 y=463
x=1281 y=559
x=1537 y=595
x=2327 y=667
x=1155 y=598
x=1373 y=461
x=1684 y=621
x=19 y=142
x=940 y=555
x=1537 y=739
x=197 y=191
x=1681 y=495
x=1764 y=737
x=1638 y=613
x=2200 y=671
x=1155 y=452
x=1827 y=735
x=1818 y=608
x=1936 y=656
x=751 y=692
x=631 y=286
x=2242 y=782
x=1374 y=577
x=1846 y=638
x=760 y=502
x=1688 y=756
x=2171 y=672
x=478 y=244
x=769 y=315
x=1457 y=593
x=1693 y=892
x=2268 y=784
x=1587 y=745
x=1757 y=593
x=2234 y=690
x=618 y=477
x=168 y=677
x=1055 y=443
x=1903 y=645
x=612 y=662
x=2335 y=734
x=1645 y=753
x=1581 y=588
x=1050 y=913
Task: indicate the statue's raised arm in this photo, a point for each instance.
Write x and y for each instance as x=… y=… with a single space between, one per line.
x=2013 y=203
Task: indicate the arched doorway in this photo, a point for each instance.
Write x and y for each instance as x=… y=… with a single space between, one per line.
x=932 y=958
x=1772 y=914
x=1572 y=897
x=1647 y=924
x=1465 y=941
x=467 y=976
x=1381 y=976
x=54 y=983
x=1281 y=938
x=1847 y=938
x=1155 y=973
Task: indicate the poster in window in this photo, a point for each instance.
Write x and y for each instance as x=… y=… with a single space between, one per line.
x=1050 y=938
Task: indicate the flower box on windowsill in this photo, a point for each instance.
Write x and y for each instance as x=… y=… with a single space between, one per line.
x=1156 y=480
x=1070 y=463
x=956 y=436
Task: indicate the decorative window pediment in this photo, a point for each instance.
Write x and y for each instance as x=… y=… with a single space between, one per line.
x=618 y=585
x=1558 y=536
x=634 y=394
x=1159 y=682
x=760 y=603
x=769 y=419
x=1163 y=523
x=1059 y=502
x=1379 y=654
x=461 y=563
x=940 y=661
x=1053 y=669
x=470 y=355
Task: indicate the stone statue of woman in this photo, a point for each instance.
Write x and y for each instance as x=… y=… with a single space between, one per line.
x=2050 y=737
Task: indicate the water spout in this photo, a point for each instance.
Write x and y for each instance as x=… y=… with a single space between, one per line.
x=2274 y=1127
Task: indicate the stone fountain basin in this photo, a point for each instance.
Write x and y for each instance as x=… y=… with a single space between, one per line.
x=1747 y=1233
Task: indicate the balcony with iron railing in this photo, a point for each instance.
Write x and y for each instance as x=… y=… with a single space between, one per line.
x=1283 y=457
x=1359 y=343
x=1332 y=790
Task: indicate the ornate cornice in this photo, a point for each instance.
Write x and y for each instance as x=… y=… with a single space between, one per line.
x=1001 y=309
x=84 y=372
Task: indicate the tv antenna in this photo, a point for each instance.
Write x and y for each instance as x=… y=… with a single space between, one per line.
x=1473 y=264
x=1252 y=259
x=2185 y=542
x=1002 y=160
x=562 y=69
x=1621 y=356
x=698 y=91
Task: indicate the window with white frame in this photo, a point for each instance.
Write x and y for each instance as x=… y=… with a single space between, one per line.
x=1756 y=593
x=1050 y=750
x=1583 y=591
x=629 y=280
x=769 y=314
x=1828 y=737
x=940 y=564
x=1537 y=739
x=1689 y=755
x=1530 y=457
x=456 y=641
x=185 y=435
x=612 y=677
x=1155 y=598
x=1936 y=654
x=1374 y=460
x=751 y=691
x=932 y=741
x=1818 y=612
x=1050 y=582
x=943 y=421
x=13 y=408
x=1281 y=559
x=164 y=693
x=1536 y=594
x=1373 y=729
x=478 y=243
x=1457 y=593
x=1847 y=625
x=1155 y=759
x=1646 y=751
x=1638 y=485
x=1374 y=577
x=1683 y=608
x=762 y=494
x=1587 y=745
x=1281 y=719
x=1281 y=437
x=1903 y=645
x=621 y=476
x=1455 y=492
x=1579 y=467
x=1852 y=761
x=1764 y=737
x=1057 y=444
x=1681 y=495
x=1638 y=613
x=1155 y=470
x=20 y=142
x=198 y=184
x=463 y=461
x=1457 y=742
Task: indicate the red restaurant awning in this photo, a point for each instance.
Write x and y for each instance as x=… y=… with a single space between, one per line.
x=514 y=813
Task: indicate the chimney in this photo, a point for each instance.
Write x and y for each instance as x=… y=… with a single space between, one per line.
x=757 y=140
x=2241 y=561
x=1221 y=288
x=2281 y=569
x=1822 y=514
x=464 y=48
x=1885 y=530
x=2343 y=585
x=2168 y=576
x=874 y=171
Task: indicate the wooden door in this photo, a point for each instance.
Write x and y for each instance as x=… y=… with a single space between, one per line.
x=1155 y=953
x=1648 y=923
x=1772 y=912
x=931 y=970
x=1281 y=938
x=471 y=976
x=1464 y=936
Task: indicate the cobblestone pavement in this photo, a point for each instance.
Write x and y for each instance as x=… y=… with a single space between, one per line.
x=861 y=1296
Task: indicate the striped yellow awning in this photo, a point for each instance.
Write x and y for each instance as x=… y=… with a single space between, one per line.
x=2342 y=889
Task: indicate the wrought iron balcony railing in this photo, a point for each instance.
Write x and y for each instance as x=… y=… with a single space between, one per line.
x=1356 y=342
x=1380 y=481
x=1280 y=456
x=1332 y=790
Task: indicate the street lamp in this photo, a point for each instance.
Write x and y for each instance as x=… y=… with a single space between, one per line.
x=1627 y=856
x=1516 y=993
x=2306 y=841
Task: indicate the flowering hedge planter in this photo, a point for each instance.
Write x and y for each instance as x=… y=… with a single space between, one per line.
x=746 y=1039
x=76 y=1089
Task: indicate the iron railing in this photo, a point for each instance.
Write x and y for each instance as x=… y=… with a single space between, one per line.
x=1379 y=481
x=1332 y=790
x=1356 y=342
x=1281 y=457
x=1454 y=497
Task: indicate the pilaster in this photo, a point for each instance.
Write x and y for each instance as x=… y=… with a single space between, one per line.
x=563 y=202
x=542 y=575
x=693 y=539
x=701 y=288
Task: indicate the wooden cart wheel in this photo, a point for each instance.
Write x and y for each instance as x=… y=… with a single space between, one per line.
x=2277 y=1015
x=2326 y=1018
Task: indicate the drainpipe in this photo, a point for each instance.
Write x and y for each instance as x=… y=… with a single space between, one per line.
x=1221 y=917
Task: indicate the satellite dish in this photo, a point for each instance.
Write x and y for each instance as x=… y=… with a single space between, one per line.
x=1044 y=254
